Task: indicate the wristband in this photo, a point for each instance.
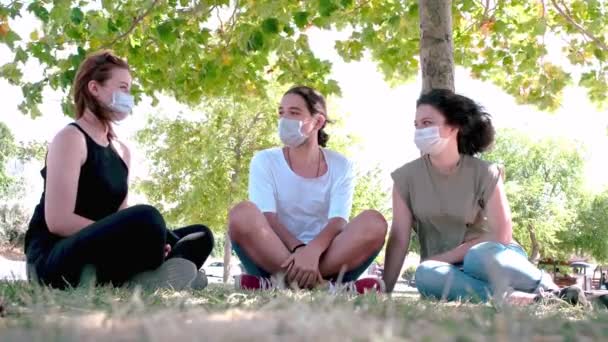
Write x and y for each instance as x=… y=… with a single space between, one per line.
x=293 y=250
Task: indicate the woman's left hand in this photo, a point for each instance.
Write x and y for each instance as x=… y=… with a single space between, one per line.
x=303 y=267
x=167 y=250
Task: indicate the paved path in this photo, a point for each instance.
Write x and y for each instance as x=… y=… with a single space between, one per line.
x=12 y=270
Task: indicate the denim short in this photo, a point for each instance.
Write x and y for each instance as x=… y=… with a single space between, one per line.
x=253 y=269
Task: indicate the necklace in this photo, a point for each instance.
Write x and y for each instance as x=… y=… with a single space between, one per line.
x=318 y=165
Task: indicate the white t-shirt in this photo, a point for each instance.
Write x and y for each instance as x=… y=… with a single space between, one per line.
x=303 y=205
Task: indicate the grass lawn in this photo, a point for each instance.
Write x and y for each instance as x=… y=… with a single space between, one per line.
x=219 y=313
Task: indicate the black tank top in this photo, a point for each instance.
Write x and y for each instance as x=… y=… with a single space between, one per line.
x=102 y=187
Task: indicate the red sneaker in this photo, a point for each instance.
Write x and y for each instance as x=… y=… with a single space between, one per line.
x=249 y=282
x=360 y=286
x=364 y=285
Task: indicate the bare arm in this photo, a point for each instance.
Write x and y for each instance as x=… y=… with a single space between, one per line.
x=282 y=232
x=398 y=240
x=499 y=215
x=322 y=241
x=499 y=222
x=67 y=153
x=456 y=255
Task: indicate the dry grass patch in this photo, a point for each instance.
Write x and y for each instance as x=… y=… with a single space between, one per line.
x=219 y=313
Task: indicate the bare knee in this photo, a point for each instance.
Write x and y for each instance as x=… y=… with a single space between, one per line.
x=375 y=227
x=240 y=219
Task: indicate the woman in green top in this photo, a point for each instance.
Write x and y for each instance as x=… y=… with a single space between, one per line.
x=457 y=205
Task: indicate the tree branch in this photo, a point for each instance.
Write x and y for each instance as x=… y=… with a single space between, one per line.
x=219 y=18
x=566 y=15
x=232 y=21
x=542 y=3
x=358 y=7
x=234 y=14
x=196 y=9
x=486 y=9
x=484 y=17
x=252 y=124
x=134 y=24
x=11 y=4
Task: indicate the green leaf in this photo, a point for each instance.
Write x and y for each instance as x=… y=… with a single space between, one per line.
x=39 y=11
x=112 y=27
x=346 y=3
x=76 y=16
x=270 y=25
x=68 y=108
x=540 y=27
x=10 y=38
x=11 y=72
x=204 y=36
x=166 y=32
x=599 y=54
x=288 y=30
x=67 y=78
x=301 y=19
x=210 y=70
x=256 y=41
x=12 y=11
x=21 y=55
x=327 y=7
x=134 y=41
x=108 y=5
x=73 y=33
x=499 y=26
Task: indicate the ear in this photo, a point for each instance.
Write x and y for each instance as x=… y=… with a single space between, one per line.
x=454 y=130
x=93 y=87
x=320 y=121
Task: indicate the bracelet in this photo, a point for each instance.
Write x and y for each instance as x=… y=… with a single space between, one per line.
x=293 y=250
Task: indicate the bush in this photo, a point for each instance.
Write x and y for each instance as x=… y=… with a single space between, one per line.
x=408 y=273
x=14 y=220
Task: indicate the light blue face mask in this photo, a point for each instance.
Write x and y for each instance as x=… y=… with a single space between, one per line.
x=290 y=132
x=122 y=102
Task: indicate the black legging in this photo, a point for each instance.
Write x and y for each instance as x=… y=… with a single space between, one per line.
x=118 y=247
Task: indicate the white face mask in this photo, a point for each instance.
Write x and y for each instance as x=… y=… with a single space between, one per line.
x=429 y=141
x=290 y=132
x=122 y=102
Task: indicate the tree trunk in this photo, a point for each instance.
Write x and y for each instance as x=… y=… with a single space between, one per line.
x=240 y=145
x=436 y=49
x=234 y=179
x=227 y=243
x=535 y=253
x=227 y=257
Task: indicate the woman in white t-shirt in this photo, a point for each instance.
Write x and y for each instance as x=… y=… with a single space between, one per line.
x=296 y=221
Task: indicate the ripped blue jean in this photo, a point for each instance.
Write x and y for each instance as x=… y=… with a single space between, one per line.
x=486 y=266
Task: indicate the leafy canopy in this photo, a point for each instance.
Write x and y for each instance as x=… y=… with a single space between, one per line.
x=544 y=186
x=193 y=49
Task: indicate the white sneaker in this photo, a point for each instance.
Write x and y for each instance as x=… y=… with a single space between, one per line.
x=175 y=273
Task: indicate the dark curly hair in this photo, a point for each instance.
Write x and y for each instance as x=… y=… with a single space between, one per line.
x=315 y=102
x=476 y=133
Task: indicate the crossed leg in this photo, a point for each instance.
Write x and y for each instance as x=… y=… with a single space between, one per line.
x=361 y=238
